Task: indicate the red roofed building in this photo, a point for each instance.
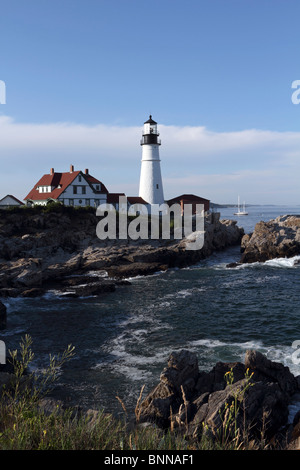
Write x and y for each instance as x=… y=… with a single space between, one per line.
x=190 y=199
x=73 y=188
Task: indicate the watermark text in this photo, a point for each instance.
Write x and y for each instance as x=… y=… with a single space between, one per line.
x=296 y=94
x=158 y=221
x=296 y=354
x=2 y=352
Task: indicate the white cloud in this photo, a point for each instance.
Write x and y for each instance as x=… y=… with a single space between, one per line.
x=264 y=166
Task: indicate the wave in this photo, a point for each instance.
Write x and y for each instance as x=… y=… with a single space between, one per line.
x=284 y=262
x=292 y=262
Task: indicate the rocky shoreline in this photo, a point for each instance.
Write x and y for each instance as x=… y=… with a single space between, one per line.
x=250 y=400
x=261 y=391
x=277 y=238
x=45 y=251
x=59 y=250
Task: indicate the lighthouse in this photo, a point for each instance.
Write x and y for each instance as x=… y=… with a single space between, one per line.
x=151 y=188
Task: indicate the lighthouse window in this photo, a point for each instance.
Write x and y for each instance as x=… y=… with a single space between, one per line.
x=157 y=186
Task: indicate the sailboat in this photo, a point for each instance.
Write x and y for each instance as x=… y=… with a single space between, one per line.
x=239 y=212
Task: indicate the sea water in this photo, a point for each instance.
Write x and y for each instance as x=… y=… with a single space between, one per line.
x=123 y=339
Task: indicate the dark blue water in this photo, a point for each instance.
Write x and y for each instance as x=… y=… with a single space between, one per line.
x=122 y=340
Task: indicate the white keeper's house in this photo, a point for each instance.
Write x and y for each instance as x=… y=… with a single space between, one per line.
x=72 y=188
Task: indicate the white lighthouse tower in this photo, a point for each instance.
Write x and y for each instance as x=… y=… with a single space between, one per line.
x=151 y=188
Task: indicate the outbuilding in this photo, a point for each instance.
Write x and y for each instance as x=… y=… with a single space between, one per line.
x=9 y=201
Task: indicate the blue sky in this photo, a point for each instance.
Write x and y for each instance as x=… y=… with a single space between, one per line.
x=82 y=76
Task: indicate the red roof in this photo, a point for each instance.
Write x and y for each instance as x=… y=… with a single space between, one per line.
x=60 y=181
x=114 y=197
x=136 y=200
x=190 y=199
x=187 y=197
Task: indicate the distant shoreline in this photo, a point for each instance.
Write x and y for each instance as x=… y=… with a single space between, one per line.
x=224 y=206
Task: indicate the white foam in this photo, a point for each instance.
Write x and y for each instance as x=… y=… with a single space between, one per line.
x=276 y=263
x=208 y=343
x=284 y=262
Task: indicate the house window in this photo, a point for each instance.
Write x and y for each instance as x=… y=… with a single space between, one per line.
x=97 y=187
x=71 y=202
x=74 y=189
x=83 y=190
x=87 y=202
x=80 y=201
x=79 y=178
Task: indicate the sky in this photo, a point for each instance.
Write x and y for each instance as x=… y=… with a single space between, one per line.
x=78 y=78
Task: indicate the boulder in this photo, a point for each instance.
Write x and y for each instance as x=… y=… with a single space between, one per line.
x=258 y=408
x=278 y=238
x=182 y=371
x=262 y=391
x=92 y=289
x=268 y=371
x=176 y=379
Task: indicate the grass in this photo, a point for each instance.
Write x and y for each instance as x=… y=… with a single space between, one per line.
x=24 y=425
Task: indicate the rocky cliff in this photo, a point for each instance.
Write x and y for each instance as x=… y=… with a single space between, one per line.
x=278 y=238
x=41 y=249
x=251 y=398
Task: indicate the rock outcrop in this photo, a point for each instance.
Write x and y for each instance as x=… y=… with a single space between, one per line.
x=261 y=389
x=278 y=238
x=41 y=249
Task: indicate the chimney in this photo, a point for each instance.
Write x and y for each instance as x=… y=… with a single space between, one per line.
x=71 y=168
x=52 y=171
x=86 y=171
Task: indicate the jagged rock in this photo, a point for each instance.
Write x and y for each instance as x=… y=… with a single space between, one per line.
x=278 y=238
x=215 y=379
x=95 y=288
x=182 y=371
x=263 y=409
x=233 y=265
x=185 y=396
x=270 y=371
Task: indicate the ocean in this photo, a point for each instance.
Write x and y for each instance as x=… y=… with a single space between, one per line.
x=123 y=339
